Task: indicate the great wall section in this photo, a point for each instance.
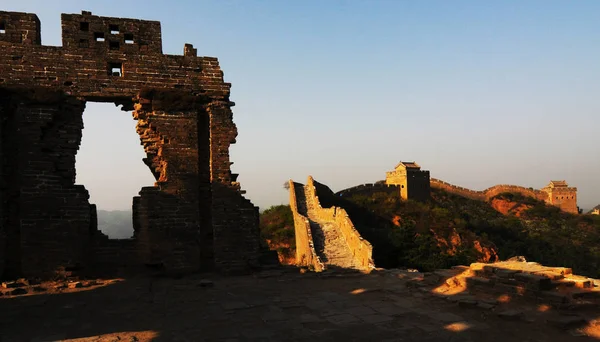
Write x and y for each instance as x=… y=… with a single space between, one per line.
x=326 y=237
x=564 y=197
x=489 y=193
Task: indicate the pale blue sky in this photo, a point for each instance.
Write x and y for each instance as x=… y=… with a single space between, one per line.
x=477 y=92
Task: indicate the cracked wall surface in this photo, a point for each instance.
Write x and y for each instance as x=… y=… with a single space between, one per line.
x=194 y=217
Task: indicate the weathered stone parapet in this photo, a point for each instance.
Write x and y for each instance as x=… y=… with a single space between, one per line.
x=564 y=198
x=305 y=248
x=361 y=248
x=368 y=188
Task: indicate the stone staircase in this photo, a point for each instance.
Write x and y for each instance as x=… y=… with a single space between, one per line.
x=330 y=244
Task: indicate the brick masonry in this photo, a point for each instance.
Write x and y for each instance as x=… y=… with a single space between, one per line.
x=194 y=217
x=552 y=196
x=306 y=254
x=305 y=200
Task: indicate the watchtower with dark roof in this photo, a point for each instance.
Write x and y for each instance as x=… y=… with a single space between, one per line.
x=562 y=195
x=412 y=181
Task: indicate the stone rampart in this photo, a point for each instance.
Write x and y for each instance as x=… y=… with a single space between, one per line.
x=305 y=248
x=457 y=190
x=361 y=248
x=489 y=193
x=367 y=189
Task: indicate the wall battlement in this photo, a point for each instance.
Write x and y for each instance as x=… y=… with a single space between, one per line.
x=541 y=195
x=311 y=243
x=102 y=59
x=306 y=254
x=368 y=188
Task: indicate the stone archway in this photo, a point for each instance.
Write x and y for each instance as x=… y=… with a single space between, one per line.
x=195 y=216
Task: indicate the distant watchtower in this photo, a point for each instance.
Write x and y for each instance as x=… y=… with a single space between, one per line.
x=562 y=196
x=412 y=181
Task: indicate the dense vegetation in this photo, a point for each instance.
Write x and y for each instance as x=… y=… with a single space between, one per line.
x=546 y=235
x=277 y=230
x=411 y=234
x=405 y=231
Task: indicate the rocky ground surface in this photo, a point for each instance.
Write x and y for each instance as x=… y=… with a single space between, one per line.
x=280 y=305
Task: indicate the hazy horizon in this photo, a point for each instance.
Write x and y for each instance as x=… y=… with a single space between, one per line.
x=479 y=93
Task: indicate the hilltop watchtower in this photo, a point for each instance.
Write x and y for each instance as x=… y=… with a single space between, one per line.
x=562 y=196
x=412 y=181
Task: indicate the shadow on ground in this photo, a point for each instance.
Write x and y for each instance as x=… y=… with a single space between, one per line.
x=276 y=305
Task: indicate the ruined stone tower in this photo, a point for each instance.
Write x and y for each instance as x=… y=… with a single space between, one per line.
x=193 y=218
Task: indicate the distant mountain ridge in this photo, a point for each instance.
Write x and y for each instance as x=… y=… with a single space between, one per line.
x=117 y=224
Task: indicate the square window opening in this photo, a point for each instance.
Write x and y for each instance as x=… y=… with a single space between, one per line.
x=128 y=38
x=115 y=69
x=114 y=29
x=99 y=36
x=2 y=27
x=114 y=45
x=84 y=26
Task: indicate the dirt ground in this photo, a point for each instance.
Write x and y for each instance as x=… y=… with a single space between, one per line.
x=273 y=306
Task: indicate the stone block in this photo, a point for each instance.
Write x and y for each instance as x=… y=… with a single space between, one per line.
x=467 y=302
x=489 y=269
x=586 y=294
x=460 y=268
x=550 y=274
x=485 y=306
x=479 y=281
x=506 y=274
x=580 y=282
x=75 y=285
x=476 y=266
x=553 y=297
x=535 y=282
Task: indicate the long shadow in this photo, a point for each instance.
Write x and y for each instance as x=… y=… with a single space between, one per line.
x=120 y=307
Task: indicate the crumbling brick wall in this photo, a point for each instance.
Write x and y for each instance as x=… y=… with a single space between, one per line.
x=193 y=218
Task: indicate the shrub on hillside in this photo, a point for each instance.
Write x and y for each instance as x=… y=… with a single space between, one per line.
x=277 y=230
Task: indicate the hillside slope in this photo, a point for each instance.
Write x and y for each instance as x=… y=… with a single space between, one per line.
x=451 y=229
